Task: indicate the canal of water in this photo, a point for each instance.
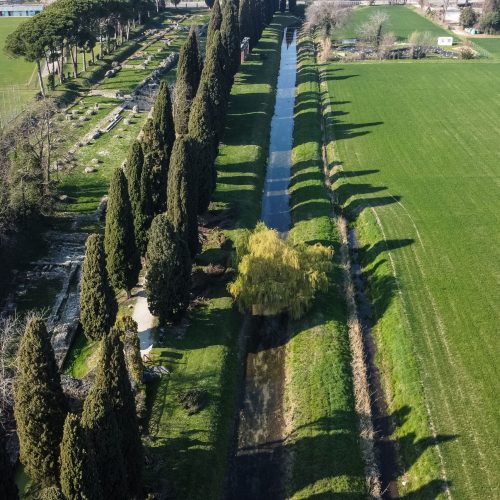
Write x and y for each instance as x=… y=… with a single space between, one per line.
x=258 y=468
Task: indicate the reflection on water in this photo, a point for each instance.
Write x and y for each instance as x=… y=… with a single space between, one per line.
x=276 y=199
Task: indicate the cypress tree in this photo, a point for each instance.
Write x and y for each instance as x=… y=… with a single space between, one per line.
x=202 y=130
x=51 y=493
x=99 y=422
x=155 y=165
x=98 y=305
x=292 y=4
x=162 y=115
x=230 y=33
x=169 y=271
x=112 y=377
x=8 y=488
x=133 y=172
x=282 y=5
x=256 y=6
x=182 y=196
x=79 y=479
x=40 y=406
x=188 y=79
x=123 y=260
x=132 y=347
x=247 y=27
x=214 y=23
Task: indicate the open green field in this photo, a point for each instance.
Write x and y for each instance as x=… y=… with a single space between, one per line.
x=490 y=45
x=18 y=81
x=419 y=175
x=323 y=439
x=403 y=21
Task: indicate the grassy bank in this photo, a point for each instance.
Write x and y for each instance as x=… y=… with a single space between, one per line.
x=419 y=182
x=190 y=453
x=323 y=433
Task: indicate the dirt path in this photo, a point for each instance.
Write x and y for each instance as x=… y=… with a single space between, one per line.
x=143 y=317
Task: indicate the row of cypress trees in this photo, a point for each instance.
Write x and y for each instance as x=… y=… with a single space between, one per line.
x=97 y=455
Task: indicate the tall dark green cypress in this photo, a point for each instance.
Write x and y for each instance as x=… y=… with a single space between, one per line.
x=98 y=305
x=188 y=79
x=292 y=4
x=140 y=208
x=8 y=488
x=247 y=28
x=202 y=129
x=100 y=424
x=40 y=406
x=258 y=26
x=122 y=257
x=113 y=377
x=214 y=23
x=182 y=196
x=155 y=165
x=79 y=478
x=169 y=271
x=282 y=5
x=230 y=33
x=163 y=116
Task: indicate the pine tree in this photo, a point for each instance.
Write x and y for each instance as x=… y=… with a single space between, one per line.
x=214 y=23
x=8 y=488
x=155 y=165
x=188 y=79
x=99 y=421
x=247 y=28
x=123 y=260
x=133 y=172
x=182 y=196
x=112 y=376
x=40 y=406
x=98 y=305
x=169 y=271
x=230 y=33
x=79 y=479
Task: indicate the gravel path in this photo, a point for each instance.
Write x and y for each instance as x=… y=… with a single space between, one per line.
x=143 y=317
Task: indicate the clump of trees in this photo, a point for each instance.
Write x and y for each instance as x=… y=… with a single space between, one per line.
x=275 y=276
x=468 y=17
x=326 y=16
x=489 y=21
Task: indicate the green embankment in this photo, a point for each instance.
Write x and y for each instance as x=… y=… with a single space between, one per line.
x=324 y=438
x=489 y=45
x=191 y=452
x=418 y=175
x=403 y=21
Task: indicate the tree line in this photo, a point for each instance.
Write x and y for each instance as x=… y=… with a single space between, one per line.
x=154 y=201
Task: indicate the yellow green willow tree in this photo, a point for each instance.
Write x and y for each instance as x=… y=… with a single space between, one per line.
x=275 y=276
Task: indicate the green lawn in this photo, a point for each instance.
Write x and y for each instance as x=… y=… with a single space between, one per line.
x=192 y=452
x=419 y=174
x=18 y=81
x=490 y=45
x=403 y=21
x=324 y=438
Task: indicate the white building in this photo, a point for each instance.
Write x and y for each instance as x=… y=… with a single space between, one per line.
x=20 y=9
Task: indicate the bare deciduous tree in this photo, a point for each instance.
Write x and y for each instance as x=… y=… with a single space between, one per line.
x=326 y=16
x=420 y=44
x=372 y=31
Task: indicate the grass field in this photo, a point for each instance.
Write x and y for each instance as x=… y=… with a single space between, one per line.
x=323 y=426
x=419 y=175
x=490 y=45
x=403 y=21
x=15 y=76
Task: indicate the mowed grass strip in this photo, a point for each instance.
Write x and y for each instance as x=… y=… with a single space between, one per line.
x=191 y=453
x=322 y=422
x=419 y=179
x=490 y=45
x=403 y=21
